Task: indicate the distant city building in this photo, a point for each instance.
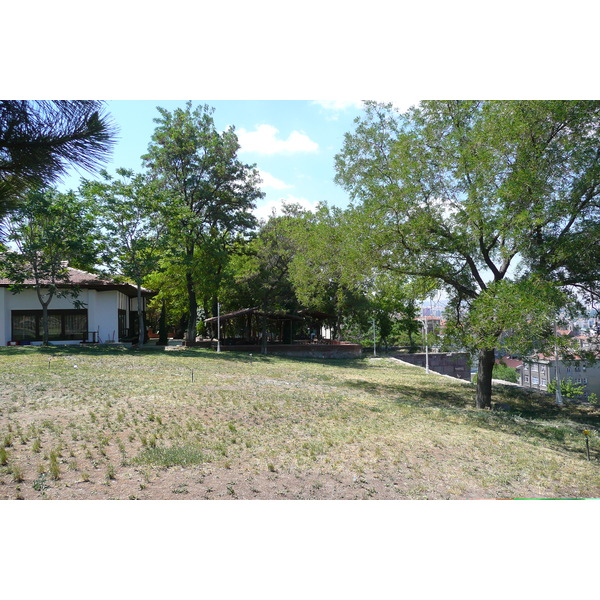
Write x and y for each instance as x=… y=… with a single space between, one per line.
x=434 y=324
x=538 y=372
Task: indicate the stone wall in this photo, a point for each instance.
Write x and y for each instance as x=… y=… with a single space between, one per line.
x=342 y=350
x=454 y=364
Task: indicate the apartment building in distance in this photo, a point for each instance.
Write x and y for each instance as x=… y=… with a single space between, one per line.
x=538 y=371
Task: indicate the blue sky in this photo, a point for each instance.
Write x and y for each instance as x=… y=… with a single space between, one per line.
x=292 y=142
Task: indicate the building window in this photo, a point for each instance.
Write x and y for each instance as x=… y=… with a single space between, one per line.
x=526 y=378
x=535 y=381
x=543 y=382
x=585 y=380
x=122 y=323
x=542 y=370
x=534 y=367
x=27 y=325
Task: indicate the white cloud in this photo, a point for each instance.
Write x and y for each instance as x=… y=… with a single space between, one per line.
x=339 y=104
x=268 y=181
x=264 y=141
x=402 y=103
x=264 y=211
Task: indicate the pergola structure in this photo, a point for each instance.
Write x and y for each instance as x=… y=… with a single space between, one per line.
x=298 y=335
x=245 y=326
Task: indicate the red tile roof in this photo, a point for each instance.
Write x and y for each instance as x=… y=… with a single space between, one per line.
x=509 y=362
x=87 y=280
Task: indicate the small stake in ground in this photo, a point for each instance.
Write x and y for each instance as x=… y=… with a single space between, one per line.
x=586 y=432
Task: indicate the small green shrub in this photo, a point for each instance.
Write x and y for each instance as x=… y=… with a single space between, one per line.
x=39 y=484
x=54 y=466
x=168 y=457
x=17 y=474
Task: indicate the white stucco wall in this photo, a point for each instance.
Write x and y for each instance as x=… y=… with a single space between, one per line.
x=102 y=310
x=103 y=314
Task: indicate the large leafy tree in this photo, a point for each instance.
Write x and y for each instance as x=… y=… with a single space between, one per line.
x=259 y=272
x=49 y=230
x=330 y=274
x=40 y=140
x=496 y=201
x=327 y=271
x=210 y=191
x=128 y=210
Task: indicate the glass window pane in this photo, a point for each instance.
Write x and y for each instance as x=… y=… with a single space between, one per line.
x=23 y=327
x=54 y=327
x=75 y=325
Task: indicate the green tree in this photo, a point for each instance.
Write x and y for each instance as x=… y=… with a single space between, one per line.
x=49 y=230
x=260 y=273
x=327 y=273
x=210 y=192
x=568 y=389
x=39 y=140
x=128 y=210
x=462 y=192
x=168 y=281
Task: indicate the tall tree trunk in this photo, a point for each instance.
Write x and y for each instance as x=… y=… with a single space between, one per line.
x=45 y=303
x=411 y=343
x=484 y=378
x=193 y=308
x=140 y=313
x=209 y=330
x=163 y=338
x=264 y=330
x=45 y=323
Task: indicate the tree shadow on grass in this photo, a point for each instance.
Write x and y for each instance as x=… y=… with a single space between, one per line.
x=423 y=395
x=170 y=352
x=357 y=363
x=521 y=413
x=165 y=352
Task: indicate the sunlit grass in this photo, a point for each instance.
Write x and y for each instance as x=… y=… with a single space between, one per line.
x=110 y=417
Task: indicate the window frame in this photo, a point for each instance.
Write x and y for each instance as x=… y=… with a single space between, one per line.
x=39 y=328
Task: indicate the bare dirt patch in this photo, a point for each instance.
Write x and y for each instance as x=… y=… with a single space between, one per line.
x=115 y=425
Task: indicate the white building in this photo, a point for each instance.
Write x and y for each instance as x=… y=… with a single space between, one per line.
x=103 y=311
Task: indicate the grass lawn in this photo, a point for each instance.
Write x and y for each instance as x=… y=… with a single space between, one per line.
x=100 y=423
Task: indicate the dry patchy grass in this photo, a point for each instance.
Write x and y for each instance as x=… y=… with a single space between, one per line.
x=104 y=423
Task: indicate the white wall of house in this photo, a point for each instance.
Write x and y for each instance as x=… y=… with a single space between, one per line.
x=103 y=314
x=102 y=309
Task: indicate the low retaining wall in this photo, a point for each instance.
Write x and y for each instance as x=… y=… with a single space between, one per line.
x=455 y=364
x=302 y=350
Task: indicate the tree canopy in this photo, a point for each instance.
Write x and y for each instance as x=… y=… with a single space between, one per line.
x=210 y=192
x=49 y=230
x=479 y=195
x=127 y=210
